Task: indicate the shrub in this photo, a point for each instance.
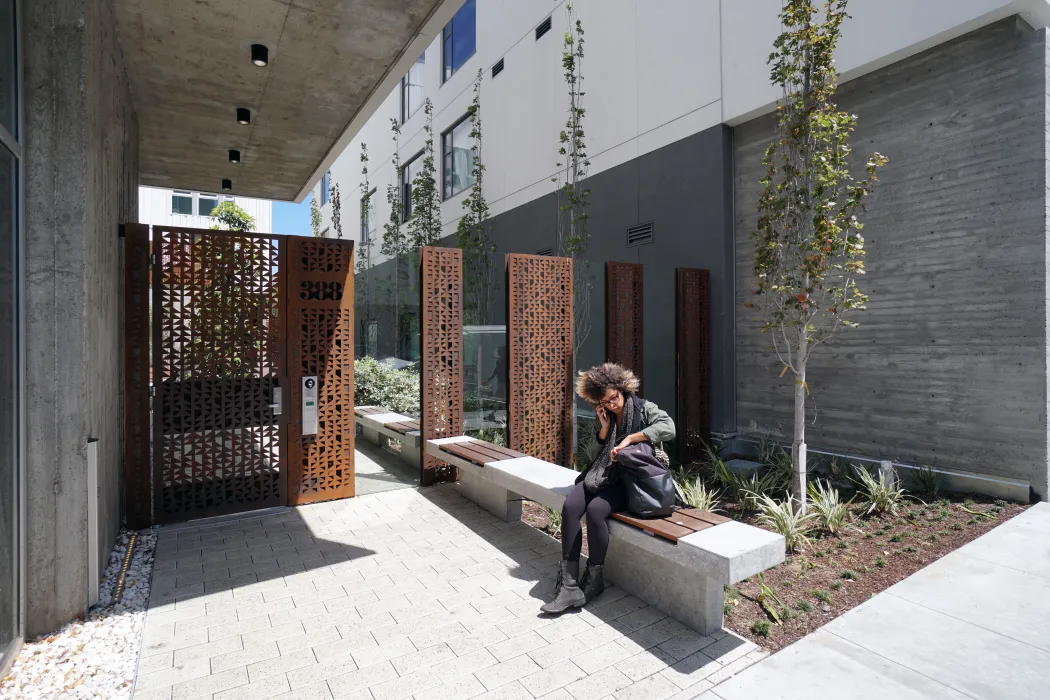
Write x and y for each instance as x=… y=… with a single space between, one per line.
x=822 y=596
x=880 y=562
x=761 y=628
x=882 y=496
x=849 y=575
x=835 y=585
x=910 y=550
x=376 y=384
x=826 y=505
x=803 y=606
x=783 y=519
x=694 y=492
x=554 y=520
x=925 y=481
x=744 y=489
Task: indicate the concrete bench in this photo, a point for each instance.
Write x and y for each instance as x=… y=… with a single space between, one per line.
x=377 y=422
x=684 y=578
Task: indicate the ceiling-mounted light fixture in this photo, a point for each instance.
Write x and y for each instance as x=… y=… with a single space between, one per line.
x=227 y=185
x=244 y=115
x=235 y=156
x=260 y=55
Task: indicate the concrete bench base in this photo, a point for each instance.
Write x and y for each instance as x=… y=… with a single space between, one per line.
x=373 y=429
x=685 y=580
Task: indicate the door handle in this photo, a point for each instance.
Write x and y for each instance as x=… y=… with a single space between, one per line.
x=276 y=405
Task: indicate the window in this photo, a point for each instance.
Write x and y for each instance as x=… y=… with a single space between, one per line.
x=459 y=39
x=182 y=203
x=408 y=174
x=206 y=204
x=412 y=89
x=326 y=184
x=368 y=217
x=458 y=150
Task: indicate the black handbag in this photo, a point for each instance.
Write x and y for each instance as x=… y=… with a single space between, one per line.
x=648 y=485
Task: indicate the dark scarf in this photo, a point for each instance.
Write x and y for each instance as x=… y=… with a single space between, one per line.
x=603 y=471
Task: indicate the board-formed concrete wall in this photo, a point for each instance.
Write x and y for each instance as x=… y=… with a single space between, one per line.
x=949 y=365
x=81 y=177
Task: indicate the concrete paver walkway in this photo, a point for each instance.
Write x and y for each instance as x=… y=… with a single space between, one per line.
x=398 y=594
x=974 y=624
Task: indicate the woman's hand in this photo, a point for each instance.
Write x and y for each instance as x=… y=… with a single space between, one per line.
x=626 y=442
x=603 y=418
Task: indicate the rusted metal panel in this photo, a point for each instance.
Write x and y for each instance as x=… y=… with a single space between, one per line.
x=441 y=340
x=137 y=505
x=218 y=315
x=624 y=316
x=539 y=340
x=321 y=344
x=693 y=357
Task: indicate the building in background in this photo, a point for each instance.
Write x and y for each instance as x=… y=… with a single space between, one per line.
x=193 y=209
x=949 y=366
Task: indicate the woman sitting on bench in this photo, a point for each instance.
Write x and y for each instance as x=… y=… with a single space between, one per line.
x=624 y=419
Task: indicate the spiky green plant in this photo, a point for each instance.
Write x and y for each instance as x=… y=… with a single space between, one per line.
x=827 y=506
x=925 y=481
x=786 y=521
x=695 y=492
x=554 y=519
x=882 y=495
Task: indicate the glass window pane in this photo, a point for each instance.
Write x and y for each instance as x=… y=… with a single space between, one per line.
x=459 y=170
x=464 y=35
x=206 y=204
x=8 y=401
x=412 y=89
x=410 y=172
x=182 y=203
x=8 y=68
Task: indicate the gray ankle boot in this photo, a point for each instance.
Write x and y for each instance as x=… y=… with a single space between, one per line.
x=567 y=593
x=593 y=582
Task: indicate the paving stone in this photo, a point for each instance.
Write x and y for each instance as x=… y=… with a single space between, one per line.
x=602 y=657
x=243 y=657
x=507 y=671
x=552 y=678
x=516 y=646
x=645 y=664
x=157 y=662
x=255 y=691
x=693 y=691
x=511 y=691
x=207 y=685
x=455 y=689
x=209 y=649
x=383 y=652
x=424 y=658
x=598 y=685
x=729 y=649
x=651 y=688
x=342 y=682
x=178 y=673
x=289 y=645
x=319 y=691
x=686 y=644
x=691 y=670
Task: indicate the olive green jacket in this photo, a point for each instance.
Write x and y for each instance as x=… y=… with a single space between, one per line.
x=657 y=427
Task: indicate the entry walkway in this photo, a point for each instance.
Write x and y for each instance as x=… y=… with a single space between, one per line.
x=975 y=624
x=398 y=594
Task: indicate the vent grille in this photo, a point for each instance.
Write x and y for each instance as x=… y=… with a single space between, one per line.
x=498 y=68
x=545 y=251
x=640 y=234
x=543 y=28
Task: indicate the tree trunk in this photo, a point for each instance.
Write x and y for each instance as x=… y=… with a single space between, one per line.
x=798 y=443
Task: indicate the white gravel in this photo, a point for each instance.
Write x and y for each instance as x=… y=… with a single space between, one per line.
x=95 y=657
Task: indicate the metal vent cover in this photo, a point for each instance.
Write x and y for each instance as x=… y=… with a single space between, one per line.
x=543 y=28
x=640 y=234
x=545 y=251
x=497 y=68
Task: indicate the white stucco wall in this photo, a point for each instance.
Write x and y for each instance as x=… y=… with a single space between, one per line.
x=155 y=208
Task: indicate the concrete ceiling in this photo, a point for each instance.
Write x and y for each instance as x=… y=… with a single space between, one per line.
x=332 y=62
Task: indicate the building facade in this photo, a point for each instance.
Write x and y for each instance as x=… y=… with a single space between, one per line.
x=949 y=366
x=194 y=209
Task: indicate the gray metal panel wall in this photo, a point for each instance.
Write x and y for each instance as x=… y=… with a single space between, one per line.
x=949 y=366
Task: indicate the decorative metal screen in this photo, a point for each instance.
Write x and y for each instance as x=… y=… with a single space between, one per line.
x=624 y=321
x=441 y=381
x=539 y=337
x=321 y=344
x=693 y=302
x=218 y=356
x=137 y=504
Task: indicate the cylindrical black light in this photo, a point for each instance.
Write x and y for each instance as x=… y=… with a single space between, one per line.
x=244 y=115
x=227 y=185
x=235 y=156
x=260 y=55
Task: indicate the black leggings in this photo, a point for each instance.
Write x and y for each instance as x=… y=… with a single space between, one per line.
x=598 y=507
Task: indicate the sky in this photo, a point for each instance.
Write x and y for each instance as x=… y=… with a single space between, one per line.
x=292 y=219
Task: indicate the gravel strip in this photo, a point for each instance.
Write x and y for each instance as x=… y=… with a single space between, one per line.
x=95 y=657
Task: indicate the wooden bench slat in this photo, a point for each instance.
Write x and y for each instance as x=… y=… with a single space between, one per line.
x=495 y=453
x=369 y=411
x=657 y=526
x=705 y=516
x=462 y=450
x=681 y=517
x=403 y=426
x=505 y=452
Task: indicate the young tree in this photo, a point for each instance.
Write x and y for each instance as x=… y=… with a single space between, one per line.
x=315 y=216
x=425 y=225
x=808 y=245
x=337 y=209
x=573 y=196
x=230 y=217
x=395 y=243
x=474 y=232
x=364 y=248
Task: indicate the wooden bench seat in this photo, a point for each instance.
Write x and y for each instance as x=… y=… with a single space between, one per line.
x=378 y=422
x=679 y=564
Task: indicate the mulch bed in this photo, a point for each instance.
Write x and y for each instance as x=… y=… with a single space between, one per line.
x=836 y=573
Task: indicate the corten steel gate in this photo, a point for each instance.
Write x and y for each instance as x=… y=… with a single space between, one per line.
x=624 y=318
x=238 y=320
x=441 y=340
x=539 y=339
x=693 y=358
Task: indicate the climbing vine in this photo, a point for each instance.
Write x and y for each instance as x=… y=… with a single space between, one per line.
x=425 y=224
x=364 y=247
x=396 y=243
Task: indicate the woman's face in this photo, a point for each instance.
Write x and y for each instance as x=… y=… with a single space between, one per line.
x=612 y=401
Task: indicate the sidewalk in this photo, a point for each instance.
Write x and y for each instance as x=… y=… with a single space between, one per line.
x=975 y=624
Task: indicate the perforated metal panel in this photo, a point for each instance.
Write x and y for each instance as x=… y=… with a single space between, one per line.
x=539 y=338
x=137 y=505
x=624 y=316
x=321 y=344
x=441 y=339
x=694 y=361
